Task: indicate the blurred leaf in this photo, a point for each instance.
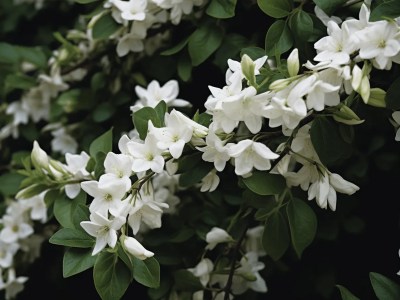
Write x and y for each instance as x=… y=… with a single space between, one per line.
x=329 y=6
x=276 y=8
x=221 y=9
x=186 y=281
x=104 y=27
x=184 y=67
x=387 y=9
x=275 y=239
x=175 y=49
x=384 y=288
x=103 y=143
x=346 y=294
x=10 y=183
x=393 y=95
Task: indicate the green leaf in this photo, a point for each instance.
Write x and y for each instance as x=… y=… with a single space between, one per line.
x=393 y=95
x=253 y=52
x=387 y=9
x=384 y=288
x=69 y=100
x=275 y=8
x=8 y=54
x=203 y=42
x=327 y=141
x=102 y=143
x=346 y=294
x=103 y=112
x=34 y=55
x=329 y=6
x=104 y=27
x=278 y=39
x=147 y=272
x=111 y=276
x=64 y=209
x=302 y=25
x=175 y=49
x=275 y=239
x=72 y=238
x=76 y=261
x=263 y=183
x=31 y=191
x=221 y=9
x=142 y=116
x=195 y=175
x=81 y=213
x=184 y=67
x=19 y=81
x=85 y=1
x=186 y=281
x=10 y=183
x=302 y=223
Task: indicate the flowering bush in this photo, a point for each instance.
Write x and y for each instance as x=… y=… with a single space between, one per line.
x=194 y=149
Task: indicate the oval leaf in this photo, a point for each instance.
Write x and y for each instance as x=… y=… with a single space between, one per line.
x=275 y=8
x=384 y=288
x=104 y=27
x=302 y=223
x=221 y=9
x=76 y=261
x=147 y=272
x=263 y=183
x=278 y=39
x=72 y=238
x=346 y=294
x=275 y=239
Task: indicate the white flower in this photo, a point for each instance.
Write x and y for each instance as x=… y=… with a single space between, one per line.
x=13 y=285
x=132 y=9
x=132 y=41
x=155 y=93
x=249 y=154
x=216 y=236
x=15 y=228
x=7 y=252
x=396 y=118
x=210 y=182
x=118 y=167
x=249 y=265
x=146 y=156
x=380 y=42
x=253 y=240
x=21 y=116
x=136 y=249
x=324 y=17
x=293 y=63
x=174 y=136
x=203 y=270
x=235 y=72
x=105 y=195
x=336 y=47
x=38 y=207
x=215 y=151
x=103 y=229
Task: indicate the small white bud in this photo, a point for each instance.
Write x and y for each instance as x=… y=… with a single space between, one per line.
x=216 y=236
x=293 y=63
x=39 y=157
x=248 y=69
x=135 y=248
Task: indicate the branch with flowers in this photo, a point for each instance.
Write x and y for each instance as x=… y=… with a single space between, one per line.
x=194 y=204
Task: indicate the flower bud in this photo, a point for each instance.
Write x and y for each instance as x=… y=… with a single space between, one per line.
x=248 y=69
x=132 y=246
x=293 y=63
x=279 y=84
x=39 y=157
x=377 y=97
x=365 y=89
x=346 y=116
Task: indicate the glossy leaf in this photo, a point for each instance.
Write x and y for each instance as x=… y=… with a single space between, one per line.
x=302 y=223
x=278 y=39
x=221 y=9
x=263 y=183
x=147 y=272
x=275 y=239
x=72 y=238
x=275 y=8
x=111 y=276
x=76 y=261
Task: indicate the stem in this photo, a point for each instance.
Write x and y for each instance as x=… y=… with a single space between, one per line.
x=236 y=250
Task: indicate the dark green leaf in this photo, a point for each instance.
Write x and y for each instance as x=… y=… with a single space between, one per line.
x=263 y=183
x=221 y=9
x=76 y=261
x=387 y=9
x=203 y=42
x=184 y=67
x=102 y=143
x=142 y=116
x=302 y=223
x=81 y=213
x=278 y=39
x=328 y=142
x=346 y=294
x=329 y=6
x=253 y=52
x=103 y=112
x=276 y=8
x=186 y=281
x=72 y=238
x=85 y=1
x=64 y=209
x=19 y=81
x=178 y=47
x=195 y=175
x=275 y=239
x=111 y=276
x=384 y=288
x=8 y=54
x=10 y=183
x=393 y=95
x=104 y=27
x=31 y=191
x=301 y=24
x=33 y=55
x=147 y=272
